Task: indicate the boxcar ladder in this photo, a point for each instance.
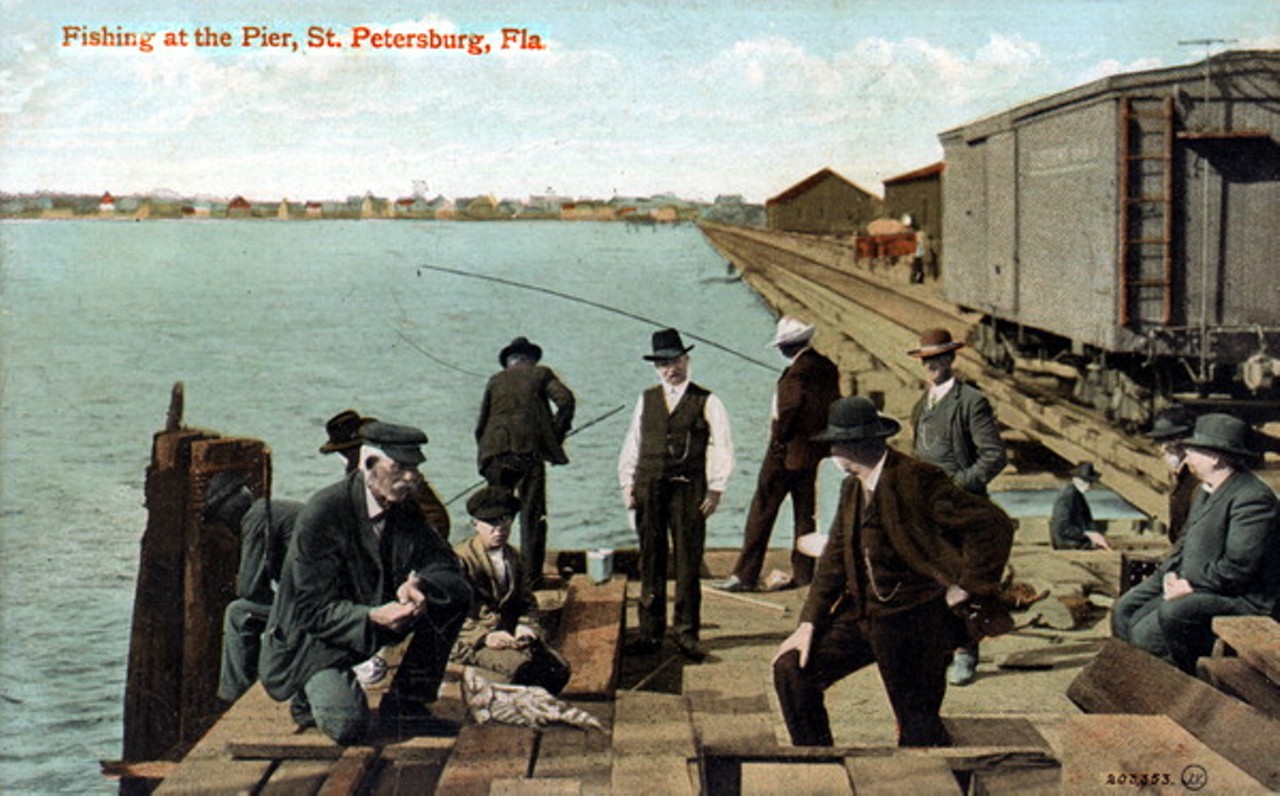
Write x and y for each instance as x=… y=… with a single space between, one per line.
x=1146 y=212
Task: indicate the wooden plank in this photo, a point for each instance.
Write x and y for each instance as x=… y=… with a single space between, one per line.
x=214 y=776
x=144 y=769
x=652 y=724
x=1014 y=732
x=535 y=787
x=349 y=772
x=485 y=752
x=297 y=778
x=1238 y=678
x=1124 y=679
x=1040 y=781
x=407 y=778
x=1103 y=753
x=591 y=625
x=807 y=778
x=731 y=706
x=582 y=755
x=1254 y=638
x=663 y=773
x=901 y=774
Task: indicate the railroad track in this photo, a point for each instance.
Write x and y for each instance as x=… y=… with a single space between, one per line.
x=795 y=273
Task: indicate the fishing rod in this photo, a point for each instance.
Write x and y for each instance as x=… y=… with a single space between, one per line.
x=433 y=357
x=596 y=304
x=615 y=410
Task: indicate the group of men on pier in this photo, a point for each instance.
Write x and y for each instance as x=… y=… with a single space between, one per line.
x=908 y=576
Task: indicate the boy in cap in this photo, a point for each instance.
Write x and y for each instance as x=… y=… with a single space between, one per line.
x=675 y=462
x=363 y=572
x=1071 y=525
x=502 y=634
x=806 y=389
x=908 y=550
x=1228 y=563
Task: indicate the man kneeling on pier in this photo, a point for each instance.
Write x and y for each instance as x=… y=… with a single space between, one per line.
x=365 y=571
x=909 y=550
x=502 y=635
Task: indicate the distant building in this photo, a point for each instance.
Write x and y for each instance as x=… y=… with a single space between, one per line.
x=239 y=207
x=824 y=203
x=918 y=194
x=107 y=205
x=315 y=210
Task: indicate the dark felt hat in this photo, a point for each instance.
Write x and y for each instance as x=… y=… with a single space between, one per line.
x=1221 y=432
x=934 y=342
x=520 y=345
x=401 y=443
x=1168 y=429
x=222 y=487
x=493 y=503
x=667 y=345
x=855 y=419
x=1085 y=470
x=344 y=431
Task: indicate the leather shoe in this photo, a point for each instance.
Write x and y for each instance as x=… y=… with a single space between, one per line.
x=691 y=649
x=731 y=583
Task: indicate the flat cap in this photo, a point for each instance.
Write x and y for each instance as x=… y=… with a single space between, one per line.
x=493 y=503
x=401 y=443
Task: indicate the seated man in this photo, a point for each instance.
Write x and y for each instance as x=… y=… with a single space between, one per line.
x=362 y=572
x=1071 y=526
x=1227 y=563
x=502 y=635
x=264 y=526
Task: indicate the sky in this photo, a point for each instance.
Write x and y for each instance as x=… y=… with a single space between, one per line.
x=697 y=98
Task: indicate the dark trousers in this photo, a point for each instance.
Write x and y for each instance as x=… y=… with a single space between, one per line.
x=911 y=649
x=243 y=624
x=772 y=487
x=669 y=522
x=526 y=475
x=1181 y=630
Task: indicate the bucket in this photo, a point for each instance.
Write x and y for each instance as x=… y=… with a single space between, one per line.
x=600 y=565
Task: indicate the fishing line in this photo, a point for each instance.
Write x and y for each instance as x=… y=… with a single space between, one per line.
x=404 y=318
x=615 y=410
x=598 y=305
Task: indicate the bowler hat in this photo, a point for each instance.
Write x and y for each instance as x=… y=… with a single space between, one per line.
x=520 y=345
x=667 y=345
x=1085 y=471
x=934 y=342
x=855 y=419
x=792 y=331
x=1221 y=432
x=1167 y=429
x=344 y=431
x=401 y=443
x=222 y=486
x=493 y=503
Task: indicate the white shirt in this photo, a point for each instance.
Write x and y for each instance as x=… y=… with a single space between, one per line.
x=872 y=479
x=720 y=460
x=939 y=391
x=376 y=511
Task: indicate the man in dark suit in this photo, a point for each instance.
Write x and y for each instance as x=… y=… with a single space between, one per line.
x=955 y=428
x=1169 y=430
x=1228 y=563
x=908 y=548
x=363 y=572
x=1071 y=524
x=264 y=526
x=805 y=391
x=517 y=434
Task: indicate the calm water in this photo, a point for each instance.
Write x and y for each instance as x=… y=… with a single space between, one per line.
x=274 y=327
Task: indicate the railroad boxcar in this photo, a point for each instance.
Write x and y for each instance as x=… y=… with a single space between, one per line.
x=1128 y=228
